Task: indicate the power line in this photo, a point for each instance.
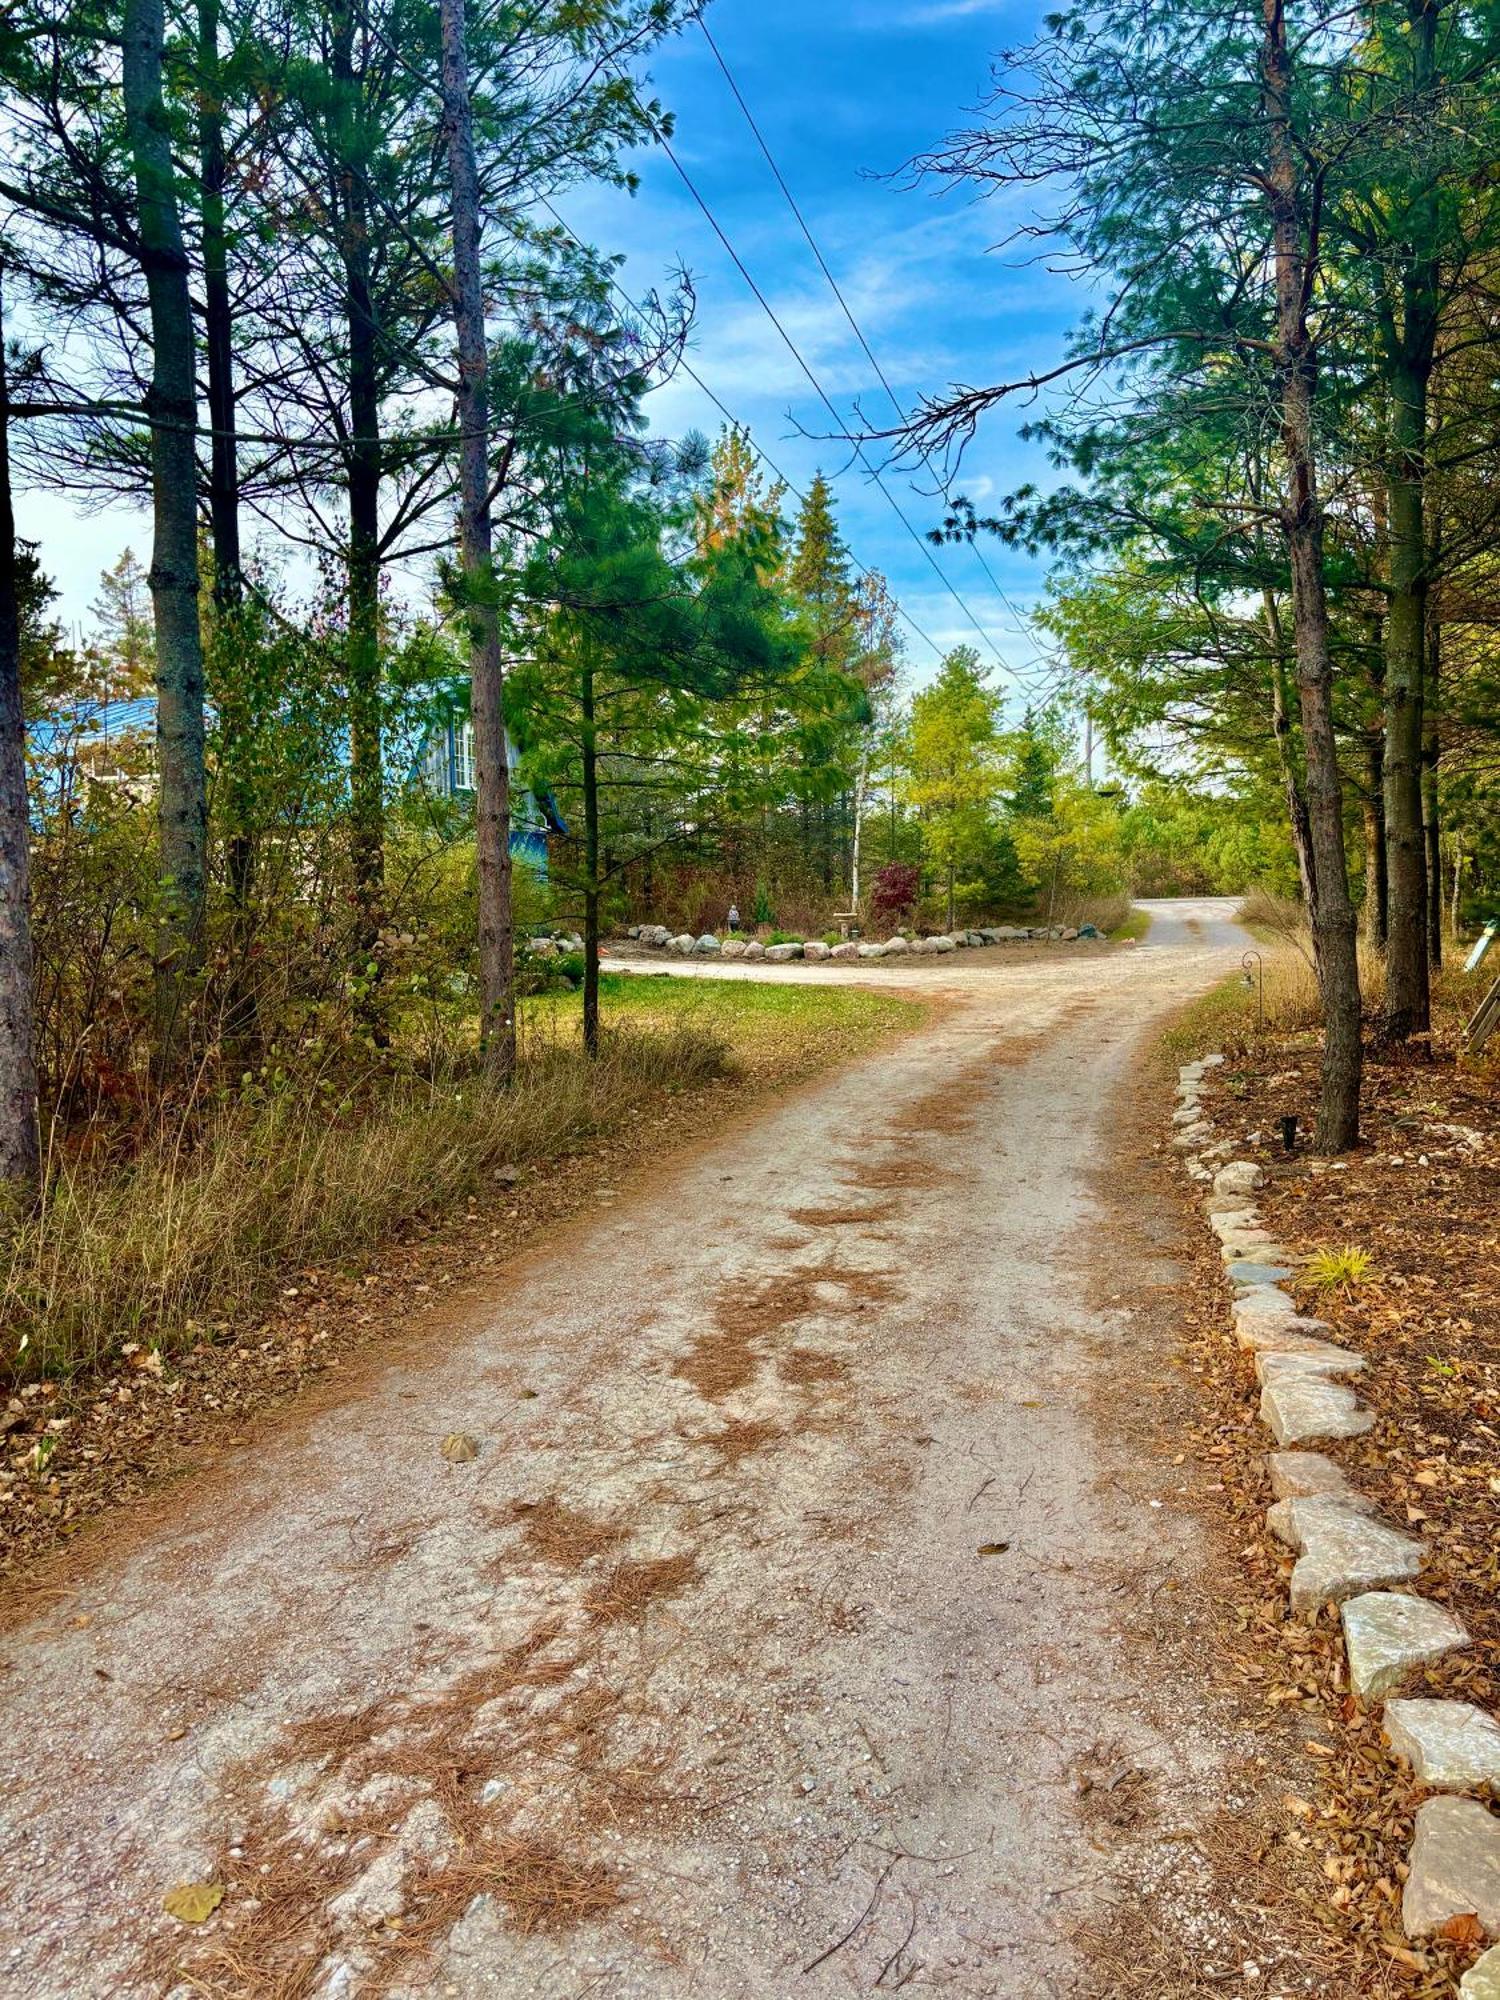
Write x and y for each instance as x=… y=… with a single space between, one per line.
x=737 y=424
x=818 y=389
x=834 y=287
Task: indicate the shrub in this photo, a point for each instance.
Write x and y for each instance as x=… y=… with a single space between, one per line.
x=895 y=889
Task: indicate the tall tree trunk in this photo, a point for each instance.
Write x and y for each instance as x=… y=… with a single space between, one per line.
x=590 y=861
x=861 y=785
x=19 y=1151
x=233 y=695
x=171 y=402
x=1432 y=825
x=1332 y=913
x=363 y=465
x=476 y=528
x=218 y=318
x=1411 y=342
x=1286 y=756
x=1377 y=905
x=1406 y=1009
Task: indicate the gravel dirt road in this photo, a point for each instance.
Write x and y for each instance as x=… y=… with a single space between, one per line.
x=772 y=1642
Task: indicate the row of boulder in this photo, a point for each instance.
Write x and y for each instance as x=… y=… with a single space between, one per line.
x=684 y=945
x=1349 y=1557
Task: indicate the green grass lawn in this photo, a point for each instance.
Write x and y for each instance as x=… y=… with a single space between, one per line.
x=777 y=1028
x=1135 y=925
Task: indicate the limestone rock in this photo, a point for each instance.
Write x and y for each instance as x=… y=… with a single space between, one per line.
x=1212 y=1062
x=896 y=947
x=1342 y=1550
x=778 y=954
x=1451 y=1744
x=1455 y=1867
x=707 y=946
x=1310 y=1406
x=1387 y=1634
x=871 y=950
x=1482 y=1980
x=844 y=951
x=1191 y=1136
x=1309 y=1475
x=684 y=945
x=1239 y=1177
x=1309 y=1357
x=815 y=948
x=755 y=949
x=1281 y=1336
x=1247 y=1272
x=734 y=948
x=943 y=944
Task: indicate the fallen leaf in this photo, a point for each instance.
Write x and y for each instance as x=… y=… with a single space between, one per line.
x=193 y=1902
x=1463 y=1929
x=993 y=1548
x=459 y=1449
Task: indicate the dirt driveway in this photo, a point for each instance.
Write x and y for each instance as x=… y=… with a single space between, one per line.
x=770 y=1645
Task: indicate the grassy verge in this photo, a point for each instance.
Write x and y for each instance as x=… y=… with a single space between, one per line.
x=184 y=1242
x=155 y=1311
x=1135 y=924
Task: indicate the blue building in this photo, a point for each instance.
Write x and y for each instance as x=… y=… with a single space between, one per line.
x=446 y=770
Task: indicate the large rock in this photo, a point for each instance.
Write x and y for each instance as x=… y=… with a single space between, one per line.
x=778 y=954
x=1281 y=1336
x=1455 y=1868
x=1451 y=1745
x=1311 y=1406
x=1387 y=1635
x=845 y=951
x=1482 y=1980
x=708 y=946
x=1342 y=1550
x=871 y=950
x=1309 y=1357
x=975 y=940
x=944 y=944
x=684 y=946
x=922 y=947
x=896 y=947
x=734 y=948
x=1239 y=1177
x=1310 y=1475
x=815 y=948
x=754 y=948
x=959 y=940
x=1247 y=1272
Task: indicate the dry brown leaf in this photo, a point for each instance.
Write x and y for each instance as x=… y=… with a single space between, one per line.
x=459 y=1449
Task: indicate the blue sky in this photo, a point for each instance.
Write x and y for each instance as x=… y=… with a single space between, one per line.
x=845 y=91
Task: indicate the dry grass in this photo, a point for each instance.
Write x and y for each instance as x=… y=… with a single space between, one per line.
x=190 y=1237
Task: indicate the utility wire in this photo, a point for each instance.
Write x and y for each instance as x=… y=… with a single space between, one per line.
x=737 y=424
x=834 y=287
x=818 y=389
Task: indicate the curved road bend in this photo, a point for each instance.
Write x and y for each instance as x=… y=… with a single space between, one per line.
x=707 y=1625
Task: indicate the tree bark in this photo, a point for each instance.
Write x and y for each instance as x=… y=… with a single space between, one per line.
x=1432 y=825
x=1332 y=913
x=476 y=530
x=1377 y=906
x=236 y=724
x=590 y=862
x=1407 y=1008
x=171 y=402
x=20 y=1158
x=363 y=467
x=1411 y=334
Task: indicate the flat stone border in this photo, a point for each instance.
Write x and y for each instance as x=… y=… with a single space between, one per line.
x=1347 y=1555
